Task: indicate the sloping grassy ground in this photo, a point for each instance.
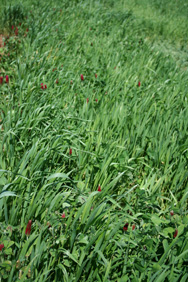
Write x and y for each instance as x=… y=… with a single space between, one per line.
x=121 y=129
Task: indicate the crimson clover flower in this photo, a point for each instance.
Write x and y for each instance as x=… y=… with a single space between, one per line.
x=7 y=79
x=125 y=227
x=43 y=86
x=133 y=227
x=28 y=228
x=87 y=100
x=82 y=77
x=63 y=215
x=175 y=233
x=99 y=188
x=1 y=246
x=1 y=79
x=70 y=152
x=139 y=83
x=171 y=213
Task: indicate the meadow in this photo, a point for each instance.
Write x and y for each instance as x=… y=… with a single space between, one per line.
x=94 y=141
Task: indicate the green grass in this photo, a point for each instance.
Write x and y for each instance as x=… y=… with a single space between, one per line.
x=132 y=141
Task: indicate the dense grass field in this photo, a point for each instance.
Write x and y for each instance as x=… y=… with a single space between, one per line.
x=94 y=141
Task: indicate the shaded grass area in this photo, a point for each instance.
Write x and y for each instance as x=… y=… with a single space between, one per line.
x=127 y=137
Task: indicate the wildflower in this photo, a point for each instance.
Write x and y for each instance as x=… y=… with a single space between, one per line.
x=82 y=77
x=99 y=188
x=7 y=79
x=172 y=213
x=133 y=227
x=1 y=247
x=70 y=152
x=139 y=84
x=28 y=228
x=175 y=233
x=27 y=29
x=63 y=215
x=87 y=100
x=125 y=227
x=1 y=79
x=20 y=24
x=96 y=100
x=95 y=75
x=43 y=86
x=12 y=27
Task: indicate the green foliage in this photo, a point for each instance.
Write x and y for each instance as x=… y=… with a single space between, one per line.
x=128 y=137
x=13 y=15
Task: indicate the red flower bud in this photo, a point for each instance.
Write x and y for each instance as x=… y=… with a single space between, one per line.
x=87 y=100
x=96 y=100
x=28 y=228
x=133 y=227
x=99 y=188
x=7 y=79
x=175 y=233
x=139 y=84
x=70 y=152
x=171 y=213
x=1 y=247
x=63 y=215
x=96 y=75
x=82 y=77
x=125 y=227
x=1 y=79
x=43 y=86
x=12 y=27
